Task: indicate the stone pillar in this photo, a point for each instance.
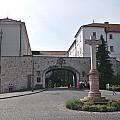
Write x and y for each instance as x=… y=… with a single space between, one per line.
x=94 y=93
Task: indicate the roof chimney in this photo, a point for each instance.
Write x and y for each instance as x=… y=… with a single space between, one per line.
x=106 y=22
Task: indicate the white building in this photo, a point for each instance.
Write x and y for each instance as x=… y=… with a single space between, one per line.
x=15 y=41
x=110 y=32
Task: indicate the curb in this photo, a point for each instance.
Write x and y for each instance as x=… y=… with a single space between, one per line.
x=22 y=94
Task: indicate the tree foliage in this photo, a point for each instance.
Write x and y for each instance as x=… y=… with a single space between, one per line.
x=103 y=64
x=60 y=78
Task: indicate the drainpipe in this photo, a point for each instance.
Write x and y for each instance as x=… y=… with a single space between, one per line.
x=1 y=33
x=106 y=33
x=20 y=40
x=106 y=36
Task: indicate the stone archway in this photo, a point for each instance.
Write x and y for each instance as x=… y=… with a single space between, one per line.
x=73 y=70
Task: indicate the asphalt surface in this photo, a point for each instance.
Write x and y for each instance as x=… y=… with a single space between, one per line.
x=49 y=105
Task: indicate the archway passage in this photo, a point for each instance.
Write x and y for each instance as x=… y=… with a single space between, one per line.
x=60 y=78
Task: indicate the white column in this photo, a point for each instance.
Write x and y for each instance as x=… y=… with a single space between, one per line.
x=93 y=56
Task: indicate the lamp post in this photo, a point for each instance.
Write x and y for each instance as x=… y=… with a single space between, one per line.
x=1 y=33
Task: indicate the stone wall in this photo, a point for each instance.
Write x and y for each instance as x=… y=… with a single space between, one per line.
x=22 y=72
x=115 y=66
x=14 y=72
x=17 y=70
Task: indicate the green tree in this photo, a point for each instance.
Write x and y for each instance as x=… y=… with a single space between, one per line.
x=104 y=65
x=117 y=78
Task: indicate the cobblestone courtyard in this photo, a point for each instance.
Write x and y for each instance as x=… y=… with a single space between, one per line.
x=49 y=105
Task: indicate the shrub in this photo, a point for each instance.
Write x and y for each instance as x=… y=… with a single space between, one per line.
x=68 y=104
x=85 y=107
x=113 y=109
x=109 y=109
x=77 y=104
x=89 y=103
x=93 y=108
x=102 y=108
x=116 y=105
x=115 y=87
x=74 y=104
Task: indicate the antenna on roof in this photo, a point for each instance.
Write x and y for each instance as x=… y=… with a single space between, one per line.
x=7 y=15
x=93 y=20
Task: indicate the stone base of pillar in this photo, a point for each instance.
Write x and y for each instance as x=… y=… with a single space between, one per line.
x=96 y=99
x=94 y=93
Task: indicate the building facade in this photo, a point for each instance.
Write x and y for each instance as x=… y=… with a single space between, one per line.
x=14 y=38
x=23 y=69
x=110 y=32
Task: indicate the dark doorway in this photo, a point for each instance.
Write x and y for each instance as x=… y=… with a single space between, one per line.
x=60 y=78
x=29 y=78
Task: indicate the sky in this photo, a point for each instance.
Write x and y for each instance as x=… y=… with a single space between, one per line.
x=52 y=24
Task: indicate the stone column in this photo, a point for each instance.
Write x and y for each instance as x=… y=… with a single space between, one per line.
x=94 y=93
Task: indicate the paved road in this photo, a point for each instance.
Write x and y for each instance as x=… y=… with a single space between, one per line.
x=49 y=105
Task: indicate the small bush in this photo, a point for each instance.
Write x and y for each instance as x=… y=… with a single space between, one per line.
x=109 y=109
x=74 y=104
x=89 y=103
x=93 y=108
x=115 y=87
x=68 y=104
x=113 y=109
x=116 y=105
x=102 y=108
x=85 y=107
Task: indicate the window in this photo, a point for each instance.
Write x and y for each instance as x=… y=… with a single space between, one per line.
x=94 y=34
x=107 y=48
x=110 y=36
x=111 y=49
x=80 y=50
x=83 y=73
x=38 y=79
x=38 y=73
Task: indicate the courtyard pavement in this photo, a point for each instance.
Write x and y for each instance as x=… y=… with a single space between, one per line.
x=19 y=94
x=49 y=105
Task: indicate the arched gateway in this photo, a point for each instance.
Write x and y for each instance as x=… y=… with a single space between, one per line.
x=78 y=66
x=75 y=72
x=29 y=71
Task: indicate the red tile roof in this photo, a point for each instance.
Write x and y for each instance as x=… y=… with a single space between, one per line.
x=108 y=27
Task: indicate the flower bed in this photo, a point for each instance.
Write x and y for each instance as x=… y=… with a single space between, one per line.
x=77 y=104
